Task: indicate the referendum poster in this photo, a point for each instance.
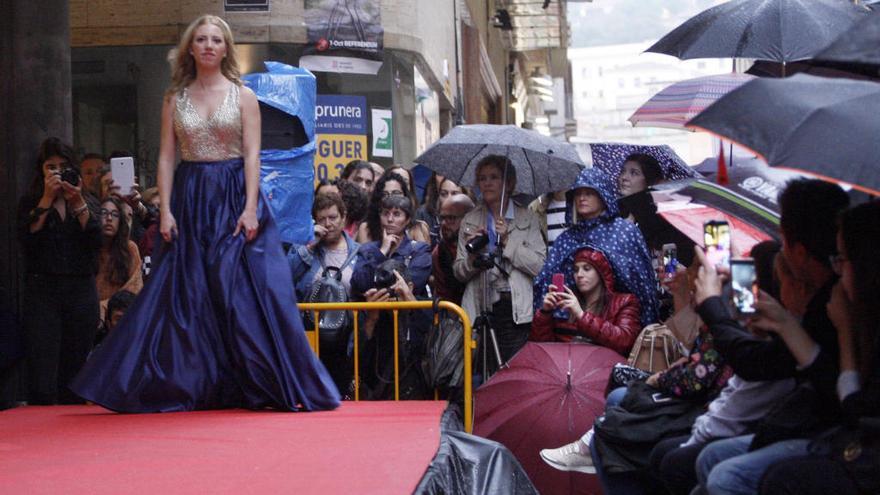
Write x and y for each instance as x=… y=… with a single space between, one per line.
x=343 y=36
x=341 y=133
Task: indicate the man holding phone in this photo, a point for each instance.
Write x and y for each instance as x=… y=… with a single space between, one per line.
x=809 y=217
x=744 y=282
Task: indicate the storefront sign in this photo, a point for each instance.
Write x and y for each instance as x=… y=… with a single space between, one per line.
x=343 y=36
x=246 y=5
x=383 y=135
x=341 y=133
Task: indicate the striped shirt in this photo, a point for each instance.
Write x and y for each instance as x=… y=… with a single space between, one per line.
x=555 y=220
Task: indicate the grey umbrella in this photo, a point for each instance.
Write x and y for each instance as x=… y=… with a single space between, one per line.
x=775 y=30
x=542 y=164
x=826 y=127
x=858 y=45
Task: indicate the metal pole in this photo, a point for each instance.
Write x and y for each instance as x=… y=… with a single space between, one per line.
x=317 y=315
x=357 y=369
x=469 y=343
x=396 y=360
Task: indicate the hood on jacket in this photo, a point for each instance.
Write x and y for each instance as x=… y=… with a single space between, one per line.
x=598 y=181
x=619 y=240
x=598 y=261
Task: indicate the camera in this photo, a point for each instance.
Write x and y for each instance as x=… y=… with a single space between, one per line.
x=70 y=176
x=383 y=278
x=484 y=261
x=477 y=244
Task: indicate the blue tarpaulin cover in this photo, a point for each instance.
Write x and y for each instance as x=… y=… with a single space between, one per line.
x=286 y=176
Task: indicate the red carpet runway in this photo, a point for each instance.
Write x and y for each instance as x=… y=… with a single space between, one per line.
x=362 y=447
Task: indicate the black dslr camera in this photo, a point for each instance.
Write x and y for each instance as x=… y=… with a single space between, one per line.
x=70 y=176
x=383 y=278
x=483 y=261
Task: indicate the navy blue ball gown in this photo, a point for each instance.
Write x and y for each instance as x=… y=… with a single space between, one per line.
x=216 y=324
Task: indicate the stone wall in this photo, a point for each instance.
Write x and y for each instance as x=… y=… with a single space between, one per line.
x=421 y=27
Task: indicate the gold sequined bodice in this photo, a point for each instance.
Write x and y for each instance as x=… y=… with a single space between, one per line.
x=217 y=138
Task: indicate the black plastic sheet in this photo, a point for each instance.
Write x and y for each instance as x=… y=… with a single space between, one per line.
x=467 y=464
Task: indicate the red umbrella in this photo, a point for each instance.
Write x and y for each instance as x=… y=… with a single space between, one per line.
x=549 y=396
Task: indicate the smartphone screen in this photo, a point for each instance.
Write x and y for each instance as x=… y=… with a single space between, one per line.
x=559 y=281
x=716 y=236
x=122 y=170
x=668 y=261
x=744 y=285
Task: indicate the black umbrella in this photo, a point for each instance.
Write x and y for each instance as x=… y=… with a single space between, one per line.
x=858 y=45
x=776 y=30
x=542 y=164
x=825 y=127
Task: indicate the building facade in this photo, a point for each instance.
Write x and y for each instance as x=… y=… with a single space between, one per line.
x=443 y=63
x=609 y=83
x=98 y=76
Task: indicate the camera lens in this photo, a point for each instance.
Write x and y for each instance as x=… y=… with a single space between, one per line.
x=477 y=243
x=383 y=279
x=70 y=176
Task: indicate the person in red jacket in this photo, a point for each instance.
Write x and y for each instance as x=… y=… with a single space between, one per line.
x=596 y=313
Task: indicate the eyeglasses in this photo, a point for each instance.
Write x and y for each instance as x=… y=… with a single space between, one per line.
x=395 y=192
x=103 y=213
x=450 y=218
x=837 y=261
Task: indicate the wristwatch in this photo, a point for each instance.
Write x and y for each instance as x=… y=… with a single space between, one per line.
x=37 y=211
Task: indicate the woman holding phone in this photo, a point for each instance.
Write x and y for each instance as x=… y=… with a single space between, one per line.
x=594 y=221
x=596 y=314
x=216 y=325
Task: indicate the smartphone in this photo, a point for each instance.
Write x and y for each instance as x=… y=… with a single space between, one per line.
x=122 y=171
x=668 y=261
x=559 y=281
x=716 y=239
x=744 y=285
x=659 y=397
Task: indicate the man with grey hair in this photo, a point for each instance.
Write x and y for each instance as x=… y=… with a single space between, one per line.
x=446 y=286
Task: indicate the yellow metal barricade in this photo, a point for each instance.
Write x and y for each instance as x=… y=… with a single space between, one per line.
x=395 y=307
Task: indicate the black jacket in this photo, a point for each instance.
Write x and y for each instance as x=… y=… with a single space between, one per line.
x=813 y=405
x=61 y=247
x=756 y=359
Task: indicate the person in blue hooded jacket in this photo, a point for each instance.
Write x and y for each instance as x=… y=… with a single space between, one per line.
x=592 y=212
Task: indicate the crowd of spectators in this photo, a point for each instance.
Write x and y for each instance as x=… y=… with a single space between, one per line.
x=757 y=405
x=750 y=407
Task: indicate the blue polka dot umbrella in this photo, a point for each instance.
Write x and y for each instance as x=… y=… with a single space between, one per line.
x=609 y=158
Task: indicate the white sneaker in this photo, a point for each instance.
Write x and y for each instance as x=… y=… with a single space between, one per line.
x=569 y=458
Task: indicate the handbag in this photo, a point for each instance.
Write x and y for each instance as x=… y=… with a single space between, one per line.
x=655 y=349
x=857 y=449
x=443 y=364
x=622 y=375
x=335 y=325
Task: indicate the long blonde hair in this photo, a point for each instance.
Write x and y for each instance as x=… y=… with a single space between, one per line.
x=183 y=69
